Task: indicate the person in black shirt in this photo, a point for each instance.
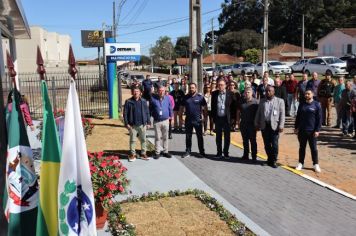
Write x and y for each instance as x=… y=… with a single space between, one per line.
x=280 y=91
x=178 y=96
x=147 y=86
x=194 y=104
x=307 y=126
x=246 y=113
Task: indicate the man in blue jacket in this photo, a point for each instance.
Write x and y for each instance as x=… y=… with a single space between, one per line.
x=137 y=119
x=307 y=126
x=161 y=110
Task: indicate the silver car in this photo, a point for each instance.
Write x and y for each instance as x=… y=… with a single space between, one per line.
x=324 y=65
x=299 y=65
x=243 y=68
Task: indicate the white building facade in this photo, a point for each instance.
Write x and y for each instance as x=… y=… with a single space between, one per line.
x=54 y=48
x=338 y=43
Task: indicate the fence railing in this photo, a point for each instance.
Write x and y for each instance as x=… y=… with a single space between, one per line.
x=91 y=88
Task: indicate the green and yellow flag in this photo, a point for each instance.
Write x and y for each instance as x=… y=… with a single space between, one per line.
x=47 y=218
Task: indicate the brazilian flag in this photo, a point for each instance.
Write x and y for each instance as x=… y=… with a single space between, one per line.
x=47 y=218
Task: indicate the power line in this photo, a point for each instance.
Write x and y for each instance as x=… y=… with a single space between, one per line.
x=171 y=23
x=139 y=11
x=133 y=8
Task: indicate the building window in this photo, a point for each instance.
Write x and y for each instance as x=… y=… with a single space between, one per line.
x=349 y=49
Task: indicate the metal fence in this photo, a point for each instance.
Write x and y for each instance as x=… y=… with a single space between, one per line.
x=92 y=92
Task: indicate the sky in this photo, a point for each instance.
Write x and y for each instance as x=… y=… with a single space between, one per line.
x=71 y=16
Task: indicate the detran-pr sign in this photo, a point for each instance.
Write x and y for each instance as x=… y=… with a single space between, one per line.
x=122 y=52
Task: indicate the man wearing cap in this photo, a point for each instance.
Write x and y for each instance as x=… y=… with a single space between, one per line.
x=325 y=94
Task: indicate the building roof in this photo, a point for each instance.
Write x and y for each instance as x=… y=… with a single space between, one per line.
x=182 y=61
x=348 y=31
x=287 y=48
x=289 y=52
x=12 y=10
x=222 y=59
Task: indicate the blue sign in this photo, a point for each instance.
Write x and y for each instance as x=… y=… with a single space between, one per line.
x=123 y=58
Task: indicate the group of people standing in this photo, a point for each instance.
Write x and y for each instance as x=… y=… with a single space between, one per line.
x=227 y=104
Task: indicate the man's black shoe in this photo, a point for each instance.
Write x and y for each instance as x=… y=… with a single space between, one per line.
x=226 y=156
x=274 y=165
x=201 y=155
x=168 y=155
x=186 y=155
x=244 y=158
x=156 y=156
x=219 y=156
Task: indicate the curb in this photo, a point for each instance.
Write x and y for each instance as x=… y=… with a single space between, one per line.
x=314 y=180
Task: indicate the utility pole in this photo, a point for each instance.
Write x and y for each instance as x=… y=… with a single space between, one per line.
x=213 y=41
x=265 y=38
x=151 y=59
x=195 y=45
x=302 y=52
x=114 y=20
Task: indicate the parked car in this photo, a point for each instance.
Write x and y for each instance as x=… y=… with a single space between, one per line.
x=299 y=65
x=225 y=69
x=351 y=66
x=209 y=71
x=323 y=65
x=132 y=77
x=274 y=67
x=243 y=68
x=346 y=57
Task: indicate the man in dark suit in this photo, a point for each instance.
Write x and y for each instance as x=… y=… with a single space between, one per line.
x=222 y=104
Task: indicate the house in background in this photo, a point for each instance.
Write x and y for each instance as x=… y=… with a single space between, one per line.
x=338 y=43
x=289 y=53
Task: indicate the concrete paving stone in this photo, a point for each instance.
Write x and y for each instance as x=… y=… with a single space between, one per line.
x=291 y=205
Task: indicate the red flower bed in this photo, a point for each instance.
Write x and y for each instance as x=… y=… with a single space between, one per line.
x=108 y=177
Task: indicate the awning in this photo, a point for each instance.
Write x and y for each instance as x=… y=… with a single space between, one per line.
x=13 y=17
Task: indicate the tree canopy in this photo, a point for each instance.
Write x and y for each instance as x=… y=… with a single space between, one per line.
x=285 y=18
x=163 y=49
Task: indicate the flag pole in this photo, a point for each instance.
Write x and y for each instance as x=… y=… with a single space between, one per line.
x=40 y=67
x=11 y=69
x=71 y=61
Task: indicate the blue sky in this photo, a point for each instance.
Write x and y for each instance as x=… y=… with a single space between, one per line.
x=71 y=16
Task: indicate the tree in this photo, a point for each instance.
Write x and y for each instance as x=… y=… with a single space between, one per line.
x=235 y=42
x=285 y=18
x=252 y=55
x=181 y=49
x=145 y=60
x=163 y=50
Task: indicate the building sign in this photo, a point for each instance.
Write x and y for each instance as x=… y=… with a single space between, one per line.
x=122 y=52
x=94 y=38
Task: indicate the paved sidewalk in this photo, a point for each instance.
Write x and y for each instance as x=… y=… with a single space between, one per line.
x=280 y=202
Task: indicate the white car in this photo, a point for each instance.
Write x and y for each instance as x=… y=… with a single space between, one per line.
x=243 y=68
x=225 y=69
x=209 y=71
x=299 y=65
x=324 y=65
x=274 y=67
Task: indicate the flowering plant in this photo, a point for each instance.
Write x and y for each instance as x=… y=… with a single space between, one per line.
x=86 y=122
x=108 y=177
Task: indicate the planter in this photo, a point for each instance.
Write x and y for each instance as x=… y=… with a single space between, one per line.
x=101 y=215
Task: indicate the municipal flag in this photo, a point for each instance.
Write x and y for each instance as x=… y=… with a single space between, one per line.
x=21 y=189
x=75 y=192
x=47 y=217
